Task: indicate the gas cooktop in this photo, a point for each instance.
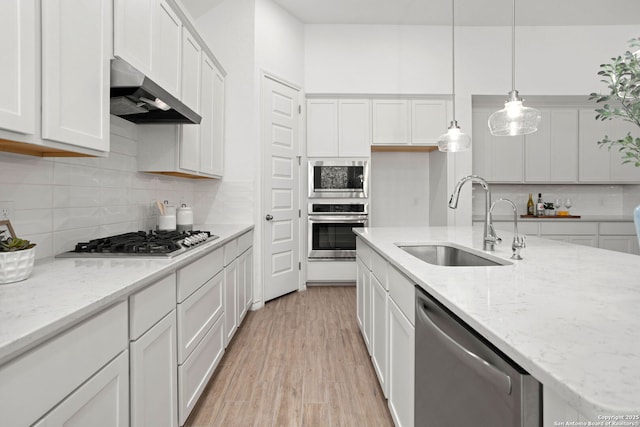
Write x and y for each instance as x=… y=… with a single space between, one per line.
x=140 y=244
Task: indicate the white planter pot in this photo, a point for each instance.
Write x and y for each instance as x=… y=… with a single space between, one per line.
x=16 y=266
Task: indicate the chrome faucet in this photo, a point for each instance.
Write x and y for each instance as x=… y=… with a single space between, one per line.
x=518 y=241
x=490 y=238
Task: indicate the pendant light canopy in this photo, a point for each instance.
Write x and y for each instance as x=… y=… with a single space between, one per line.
x=514 y=118
x=454 y=140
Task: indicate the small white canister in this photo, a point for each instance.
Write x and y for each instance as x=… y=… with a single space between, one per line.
x=184 y=218
x=166 y=222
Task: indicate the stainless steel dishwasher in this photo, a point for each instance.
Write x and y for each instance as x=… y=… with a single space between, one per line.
x=463 y=380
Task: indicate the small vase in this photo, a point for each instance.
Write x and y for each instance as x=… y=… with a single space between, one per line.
x=636 y=220
x=16 y=266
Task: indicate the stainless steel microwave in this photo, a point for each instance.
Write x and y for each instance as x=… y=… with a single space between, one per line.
x=338 y=178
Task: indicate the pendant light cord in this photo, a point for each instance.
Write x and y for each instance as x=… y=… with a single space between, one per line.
x=453 y=56
x=513 y=48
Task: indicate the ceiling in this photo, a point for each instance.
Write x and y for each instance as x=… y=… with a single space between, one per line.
x=438 y=12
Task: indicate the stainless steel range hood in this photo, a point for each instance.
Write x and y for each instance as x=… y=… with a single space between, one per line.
x=137 y=98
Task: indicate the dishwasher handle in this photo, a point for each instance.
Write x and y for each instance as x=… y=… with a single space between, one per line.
x=472 y=360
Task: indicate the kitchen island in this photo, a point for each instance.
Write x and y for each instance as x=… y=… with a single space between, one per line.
x=567 y=314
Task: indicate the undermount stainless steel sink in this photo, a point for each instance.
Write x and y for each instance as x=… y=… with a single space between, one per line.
x=450 y=255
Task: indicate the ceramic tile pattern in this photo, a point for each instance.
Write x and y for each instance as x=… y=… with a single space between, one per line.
x=58 y=202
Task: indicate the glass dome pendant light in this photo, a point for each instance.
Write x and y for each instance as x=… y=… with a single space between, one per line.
x=514 y=118
x=454 y=140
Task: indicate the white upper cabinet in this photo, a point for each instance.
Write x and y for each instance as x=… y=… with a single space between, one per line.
x=496 y=158
x=354 y=128
x=338 y=128
x=191 y=60
x=428 y=121
x=17 y=73
x=212 y=125
x=391 y=122
x=148 y=35
x=166 y=47
x=597 y=164
x=550 y=153
x=322 y=128
x=76 y=48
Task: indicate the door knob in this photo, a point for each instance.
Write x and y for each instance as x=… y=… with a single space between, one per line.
x=269 y=217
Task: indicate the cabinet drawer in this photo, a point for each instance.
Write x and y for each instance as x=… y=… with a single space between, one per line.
x=379 y=267
x=245 y=242
x=196 y=315
x=364 y=252
x=568 y=228
x=66 y=360
x=230 y=251
x=198 y=273
x=403 y=293
x=149 y=305
x=194 y=374
x=618 y=228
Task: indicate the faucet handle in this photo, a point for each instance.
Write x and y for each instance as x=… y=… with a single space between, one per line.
x=517 y=245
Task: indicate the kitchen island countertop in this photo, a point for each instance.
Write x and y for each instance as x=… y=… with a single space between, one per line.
x=62 y=292
x=567 y=314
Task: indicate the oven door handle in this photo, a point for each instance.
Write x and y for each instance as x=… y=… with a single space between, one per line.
x=338 y=218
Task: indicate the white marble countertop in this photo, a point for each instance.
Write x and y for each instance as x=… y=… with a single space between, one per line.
x=568 y=314
x=61 y=292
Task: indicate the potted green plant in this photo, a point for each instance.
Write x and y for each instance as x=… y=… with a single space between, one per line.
x=16 y=256
x=622 y=102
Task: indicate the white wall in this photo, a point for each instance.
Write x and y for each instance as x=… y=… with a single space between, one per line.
x=60 y=202
x=248 y=37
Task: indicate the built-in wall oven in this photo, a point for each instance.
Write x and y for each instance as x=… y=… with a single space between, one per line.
x=338 y=178
x=331 y=235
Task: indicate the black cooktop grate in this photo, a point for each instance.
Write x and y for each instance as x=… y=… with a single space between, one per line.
x=139 y=242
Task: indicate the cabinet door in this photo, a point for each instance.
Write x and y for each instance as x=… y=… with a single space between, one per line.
x=242 y=288
x=595 y=163
x=230 y=304
x=401 y=366
x=390 y=122
x=322 y=128
x=248 y=279
x=379 y=333
x=564 y=145
x=166 y=48
x=584 y=240
x=428 y=121
x=626 y=244
x=154 y=376
x=76 y=48
x=103 y=401
x=354 y=128
x=481 y=144
x=17 y=72
x=133 y=32
x=507 y=153
x=537 y=151
x=620 y=172
x=190 y=75
x=366 y=309
x=212 y=125
x=360 y=271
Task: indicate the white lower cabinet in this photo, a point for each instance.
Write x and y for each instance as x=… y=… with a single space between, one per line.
x=103 y=401
x=401 y=366
x=618 y=236
x=230 y=301
x=195 y=372
x=154 y=380
x=385 y=311
x=380 y=332
x=245 y=283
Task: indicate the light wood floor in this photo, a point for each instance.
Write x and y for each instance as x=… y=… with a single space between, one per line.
x=299 y=361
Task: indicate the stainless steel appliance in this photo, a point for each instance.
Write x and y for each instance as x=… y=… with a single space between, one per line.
x=463 y=380
x=331 y=235
x=338 y=179
x=166 y=244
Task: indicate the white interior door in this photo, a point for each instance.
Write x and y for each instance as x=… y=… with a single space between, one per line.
x=280 y=123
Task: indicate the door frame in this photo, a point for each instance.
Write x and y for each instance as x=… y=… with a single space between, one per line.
x=260 y=212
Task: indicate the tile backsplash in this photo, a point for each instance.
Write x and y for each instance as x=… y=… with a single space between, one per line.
x=614 y=200
x=58 y=202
